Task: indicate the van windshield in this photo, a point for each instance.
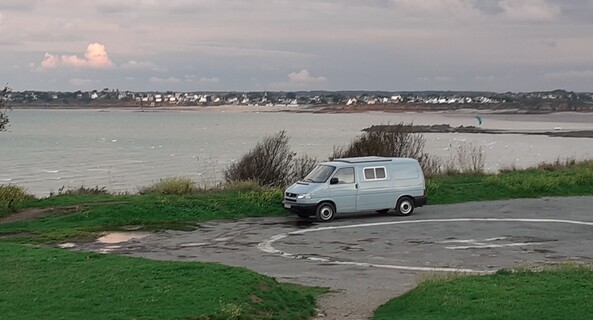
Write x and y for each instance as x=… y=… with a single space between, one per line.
x=320 y=174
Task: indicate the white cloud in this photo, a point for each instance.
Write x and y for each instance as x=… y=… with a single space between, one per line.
x=529 y=10
x=304 y=77
x=1 y=19
x=212 y=80
x=300 y=80
x=164 y=80
x=437 y=79
x=50 y=61
x=95 y=58
x=142 y=65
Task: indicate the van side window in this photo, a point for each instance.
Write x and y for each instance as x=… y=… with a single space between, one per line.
x=345 y=175
x=377 y=173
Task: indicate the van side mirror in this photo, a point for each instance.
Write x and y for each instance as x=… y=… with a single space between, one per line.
x=333 y=181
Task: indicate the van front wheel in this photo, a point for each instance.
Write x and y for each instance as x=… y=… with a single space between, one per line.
x=325 y=212
x=405 y=206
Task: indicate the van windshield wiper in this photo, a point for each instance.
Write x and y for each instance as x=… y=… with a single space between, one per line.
x=308 y=180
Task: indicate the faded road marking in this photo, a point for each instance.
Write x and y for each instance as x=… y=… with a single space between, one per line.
x=267 y=245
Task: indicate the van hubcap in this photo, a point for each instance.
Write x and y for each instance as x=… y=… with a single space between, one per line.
x=326 y=213
x=405 y=207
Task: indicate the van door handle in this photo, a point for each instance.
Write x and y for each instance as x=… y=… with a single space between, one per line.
x=356 y=185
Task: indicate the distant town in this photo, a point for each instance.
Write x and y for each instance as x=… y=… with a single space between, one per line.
x=547 y=101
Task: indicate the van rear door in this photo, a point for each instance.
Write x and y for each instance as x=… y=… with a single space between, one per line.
x=375 y=190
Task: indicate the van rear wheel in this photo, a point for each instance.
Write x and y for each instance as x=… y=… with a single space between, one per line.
x=325 y=212
x=405 y=206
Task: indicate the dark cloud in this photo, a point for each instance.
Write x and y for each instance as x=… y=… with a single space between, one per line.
x=341 y=44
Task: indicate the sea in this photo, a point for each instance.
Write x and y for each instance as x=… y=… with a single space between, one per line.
x=46 y=151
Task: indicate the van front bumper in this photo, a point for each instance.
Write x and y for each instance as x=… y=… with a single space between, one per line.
x=308 y=208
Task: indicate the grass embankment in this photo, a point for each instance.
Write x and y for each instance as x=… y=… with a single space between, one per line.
x=70 y=285
x=42 y=283
x=562 y=293
x=89 y=214
x=85 y=216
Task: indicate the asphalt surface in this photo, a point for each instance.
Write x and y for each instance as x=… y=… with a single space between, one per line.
x=368 y=259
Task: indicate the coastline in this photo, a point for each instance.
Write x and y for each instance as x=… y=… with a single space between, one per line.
x=328 y=109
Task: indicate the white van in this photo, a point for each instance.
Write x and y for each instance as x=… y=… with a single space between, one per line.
x=358 y=185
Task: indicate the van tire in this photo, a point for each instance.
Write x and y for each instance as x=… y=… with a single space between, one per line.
x=325 y=212
x=405 y=206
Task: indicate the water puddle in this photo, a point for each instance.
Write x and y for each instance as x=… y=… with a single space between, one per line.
x=119 y=237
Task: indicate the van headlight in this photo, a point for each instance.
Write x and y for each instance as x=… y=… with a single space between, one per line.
x=304 y=196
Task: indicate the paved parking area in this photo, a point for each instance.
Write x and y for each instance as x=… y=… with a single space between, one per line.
x=368 y=259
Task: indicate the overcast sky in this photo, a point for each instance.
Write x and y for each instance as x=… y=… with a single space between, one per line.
x=243 y=45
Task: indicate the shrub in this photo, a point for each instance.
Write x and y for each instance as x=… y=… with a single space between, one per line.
x=466 y=159
x=171 y=185
x=397 y=141
x=3 y=108
x=12 y=198
x=270 y=163
x=82 y=191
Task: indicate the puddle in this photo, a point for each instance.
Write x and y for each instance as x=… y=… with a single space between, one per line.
x=67 y=245
x=118 y=237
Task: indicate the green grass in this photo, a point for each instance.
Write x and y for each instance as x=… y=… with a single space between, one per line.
x=47 y=283
x=94 y=214
x=572 y=180
x=100 y=212
x=563 y=293
x=42 y=283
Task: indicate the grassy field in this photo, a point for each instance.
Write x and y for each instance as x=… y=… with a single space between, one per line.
x=562 y=293
x=42 y=283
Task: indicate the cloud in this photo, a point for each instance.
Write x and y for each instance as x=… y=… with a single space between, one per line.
x=300 y=80
x=573 y=74
x=77 y=82
x=50 y=61
x=436 y=7
x=213 y=80
x=95 y=58
x=143 y=65
x=437 y=79
x=1 y=19
x=529 y=10
x=303 y=77
x=164 y=80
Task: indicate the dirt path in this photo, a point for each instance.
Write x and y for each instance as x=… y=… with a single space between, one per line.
x=34 y=213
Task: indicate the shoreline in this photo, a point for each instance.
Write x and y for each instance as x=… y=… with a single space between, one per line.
x=324 y=109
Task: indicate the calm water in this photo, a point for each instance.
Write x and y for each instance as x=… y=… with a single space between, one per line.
x=123 y=150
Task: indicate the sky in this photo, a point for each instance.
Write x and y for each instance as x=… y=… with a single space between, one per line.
x=290 y=45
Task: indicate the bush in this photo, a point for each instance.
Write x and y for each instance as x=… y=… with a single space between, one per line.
x=270 y=163
x=398 y=141
x=171 y=185
x=82 y=191
x=466 y=159
x=12 y=198
x=3 y=108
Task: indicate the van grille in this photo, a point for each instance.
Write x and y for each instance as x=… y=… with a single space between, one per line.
x=291 y=195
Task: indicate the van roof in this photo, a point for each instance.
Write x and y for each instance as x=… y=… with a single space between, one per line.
x=371 y=159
